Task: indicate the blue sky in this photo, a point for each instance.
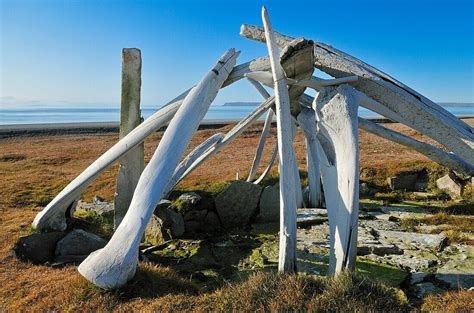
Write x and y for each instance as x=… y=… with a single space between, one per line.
x=69 y=52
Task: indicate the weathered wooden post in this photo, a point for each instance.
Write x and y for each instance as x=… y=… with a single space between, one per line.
x=132 y=163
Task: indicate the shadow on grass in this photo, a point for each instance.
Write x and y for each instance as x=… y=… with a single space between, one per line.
x=150 y=282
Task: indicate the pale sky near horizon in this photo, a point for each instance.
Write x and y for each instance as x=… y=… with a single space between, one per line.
x=68 y=52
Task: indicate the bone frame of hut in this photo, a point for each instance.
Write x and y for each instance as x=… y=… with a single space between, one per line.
x=331 y=138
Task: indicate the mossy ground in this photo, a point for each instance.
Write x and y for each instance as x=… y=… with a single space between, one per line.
x=91 y=221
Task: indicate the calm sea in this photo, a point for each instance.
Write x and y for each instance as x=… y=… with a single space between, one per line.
x=39 y=115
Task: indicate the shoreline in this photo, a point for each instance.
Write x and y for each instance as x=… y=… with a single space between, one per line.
x=15 y=130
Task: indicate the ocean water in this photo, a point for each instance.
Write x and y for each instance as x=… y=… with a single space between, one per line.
x=55 y=114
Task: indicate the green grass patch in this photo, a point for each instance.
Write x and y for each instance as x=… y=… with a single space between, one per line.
x=100 y=224
x=387 y=274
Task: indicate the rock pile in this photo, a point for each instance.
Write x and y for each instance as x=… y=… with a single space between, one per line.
x=57 y=248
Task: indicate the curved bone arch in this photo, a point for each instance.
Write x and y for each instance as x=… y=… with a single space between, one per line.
x=116 y=263
x=329 y=124
x=410 y=108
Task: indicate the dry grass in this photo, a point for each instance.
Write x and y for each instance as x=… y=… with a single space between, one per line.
x=455 y=227
x=461 y=223
x=453 y=301
x=35 y=169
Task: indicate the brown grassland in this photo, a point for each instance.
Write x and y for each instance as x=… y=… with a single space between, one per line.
x=34 y=169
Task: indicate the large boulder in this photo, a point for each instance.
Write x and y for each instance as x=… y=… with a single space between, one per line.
x=237 y=203
x=270 y=205
x=450 y=184
x=406 y=182
x=212 y=222
x=78 y=243
x=37 y=248
x=164 y=224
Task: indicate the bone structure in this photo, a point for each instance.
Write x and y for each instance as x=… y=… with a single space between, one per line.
x=329 y=123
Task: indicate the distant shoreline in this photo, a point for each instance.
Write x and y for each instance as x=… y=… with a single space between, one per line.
x=14 y=130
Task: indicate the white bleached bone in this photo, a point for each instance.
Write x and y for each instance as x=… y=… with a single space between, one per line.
x=230 y=136
x=337 y=110
x=53 y=216
x=414 y=110
x=307 y=122
x=269 y=166
x=190 y=159
x=287 y=247
x=439 y=156
x=266 y=78
x=116 y=263
x=261 y=144
x=296 y=174
x=318 y=83
x=263 y=77
x=296 y=171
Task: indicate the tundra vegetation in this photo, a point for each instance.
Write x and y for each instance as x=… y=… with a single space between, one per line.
x=339 y=224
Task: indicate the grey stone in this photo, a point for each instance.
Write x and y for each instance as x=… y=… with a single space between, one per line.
x=267 y=228
x=378 y=249
x=190 y=198
x=309 y=217
x=195 y=215
x=37 y=248
x=211 y=222
x=424 y=289
x=191 y=226
x=270 y=204
x=380 y=215
x=237 y=203
x=79 y=242
x=458 y=271
x=423 y=241
x=450 y=184
x=410 y=260
x=99 y=207
x=419 y=277
x=165 y=224
x=403 y=182
x=386 y=249
x=421 y=185
x=155 y=233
